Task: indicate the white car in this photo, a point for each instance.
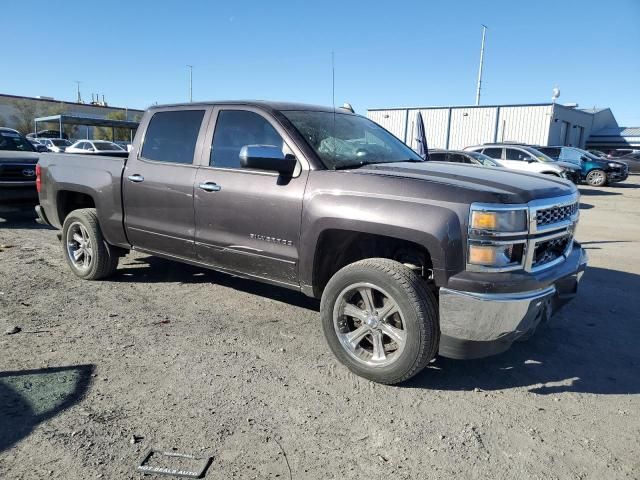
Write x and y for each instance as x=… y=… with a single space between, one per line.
x=57 y=145
x=525 y=158
x=94 y=146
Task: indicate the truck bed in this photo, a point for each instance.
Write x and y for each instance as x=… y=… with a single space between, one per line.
x=97 y=176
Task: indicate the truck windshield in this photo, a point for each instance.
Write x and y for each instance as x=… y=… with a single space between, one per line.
x=14 y=141
x=348 y=141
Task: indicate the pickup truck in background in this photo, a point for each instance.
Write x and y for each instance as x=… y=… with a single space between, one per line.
x=409 y=258
x=18 y=160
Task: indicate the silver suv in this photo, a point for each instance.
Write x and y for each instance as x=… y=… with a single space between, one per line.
x=527 y=159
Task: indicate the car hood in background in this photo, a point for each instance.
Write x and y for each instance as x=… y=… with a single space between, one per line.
x=511 y=186
x=10 y=156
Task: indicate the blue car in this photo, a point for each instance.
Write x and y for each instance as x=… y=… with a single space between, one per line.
x=596 y=171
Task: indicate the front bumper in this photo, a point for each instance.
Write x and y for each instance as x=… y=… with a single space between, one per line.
x=617 y=176
x=24 y=193
x=475 y=325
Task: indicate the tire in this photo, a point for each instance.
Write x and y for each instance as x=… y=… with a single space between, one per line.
x=374 y=346
x=85 y=249
x=597 y=178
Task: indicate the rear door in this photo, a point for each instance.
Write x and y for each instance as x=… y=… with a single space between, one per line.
x=248 y=221
x=158 y=182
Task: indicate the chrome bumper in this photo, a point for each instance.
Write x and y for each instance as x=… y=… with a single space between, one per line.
x=475 y=325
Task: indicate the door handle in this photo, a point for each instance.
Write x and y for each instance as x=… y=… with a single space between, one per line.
x=209 y=187
x=135 y=178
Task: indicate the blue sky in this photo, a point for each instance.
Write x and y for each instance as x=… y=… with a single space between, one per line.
x=401 y=53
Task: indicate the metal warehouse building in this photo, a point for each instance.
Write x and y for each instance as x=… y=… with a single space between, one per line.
x=539 y=124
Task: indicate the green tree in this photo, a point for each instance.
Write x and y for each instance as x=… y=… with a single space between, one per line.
x=105 y=133
x=26 y=111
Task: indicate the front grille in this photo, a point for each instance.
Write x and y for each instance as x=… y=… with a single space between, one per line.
x=549 y=250
x=549 y=216
x=17 y=172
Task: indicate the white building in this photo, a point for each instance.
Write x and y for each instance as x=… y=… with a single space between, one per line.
x=539 y=124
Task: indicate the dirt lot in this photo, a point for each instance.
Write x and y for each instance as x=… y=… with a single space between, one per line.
x=212 y=365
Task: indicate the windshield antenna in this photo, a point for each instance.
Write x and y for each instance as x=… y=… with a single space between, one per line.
x=333 y=101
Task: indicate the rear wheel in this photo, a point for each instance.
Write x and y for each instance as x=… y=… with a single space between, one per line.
x=597 y=178
x=85 y=249
x=380 y=320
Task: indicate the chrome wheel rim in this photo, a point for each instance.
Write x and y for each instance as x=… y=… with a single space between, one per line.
x=597 y=177
x=369 y=325
x=79 y=246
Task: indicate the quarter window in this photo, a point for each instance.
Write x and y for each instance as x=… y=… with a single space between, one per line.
x=171 y=136
x=234 y=130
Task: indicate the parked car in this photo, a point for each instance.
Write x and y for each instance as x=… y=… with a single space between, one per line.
x=18 y=160
x=57 y=145
x=596 y=171
x=597 y=153
x=327 y=202
x=37 y=146
x=48 y=134
x=621 y=152
x=95 y=146
x=527 y=159
x=632 y=160
x=460 y=156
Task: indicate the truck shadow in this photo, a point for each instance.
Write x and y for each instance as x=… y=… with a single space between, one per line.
x=593 y=192
x=591 y=346
x=158 y=270
x=30 y=397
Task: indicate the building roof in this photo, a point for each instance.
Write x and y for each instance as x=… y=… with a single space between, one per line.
x=90 y=121
x=617 y=132
x=53 y=100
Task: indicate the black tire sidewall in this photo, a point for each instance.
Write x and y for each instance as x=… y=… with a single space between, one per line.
x=415 y=335
x=97 y=242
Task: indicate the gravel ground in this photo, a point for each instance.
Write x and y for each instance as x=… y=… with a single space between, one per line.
x=169 y=356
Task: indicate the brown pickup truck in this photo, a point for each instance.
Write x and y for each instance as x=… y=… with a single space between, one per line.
x=410 y=258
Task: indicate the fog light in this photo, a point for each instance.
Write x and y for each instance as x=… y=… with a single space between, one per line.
x=497 y=256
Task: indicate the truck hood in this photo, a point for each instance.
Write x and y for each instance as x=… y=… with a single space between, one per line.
x=10 y=156
x=508 y=186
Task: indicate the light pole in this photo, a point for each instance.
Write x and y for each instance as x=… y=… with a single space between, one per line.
x=484 y=32
x=190 y=82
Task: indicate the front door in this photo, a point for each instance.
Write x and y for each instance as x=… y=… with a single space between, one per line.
x=158 y=184
x=248 y=221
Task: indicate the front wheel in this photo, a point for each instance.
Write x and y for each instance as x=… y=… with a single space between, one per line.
x=596 y=178
x=380 y=320
x=85 y=249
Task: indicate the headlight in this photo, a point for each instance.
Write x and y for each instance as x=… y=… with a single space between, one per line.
x=506 y=221
x=496 y=256
x=613 y=165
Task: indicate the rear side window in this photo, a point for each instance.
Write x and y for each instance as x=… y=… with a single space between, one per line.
x=493 y=152
x=438 y=157
x=234 y=130
x=171 y=136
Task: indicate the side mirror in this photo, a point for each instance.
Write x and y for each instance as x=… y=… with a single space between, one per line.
x=530 y=160
x=267 y=157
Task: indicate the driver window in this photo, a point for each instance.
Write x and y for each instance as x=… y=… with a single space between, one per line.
x=234 y=130
x=513 y=154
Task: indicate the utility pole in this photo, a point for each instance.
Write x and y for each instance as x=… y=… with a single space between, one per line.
x=78 y=98
x=190 y=83
x=484 y=32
